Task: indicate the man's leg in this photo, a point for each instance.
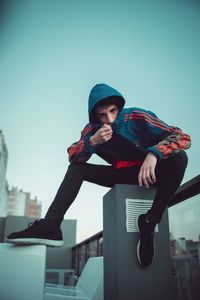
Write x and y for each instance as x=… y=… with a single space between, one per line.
x=77 y=173
x=169 y=174
x=47 y=231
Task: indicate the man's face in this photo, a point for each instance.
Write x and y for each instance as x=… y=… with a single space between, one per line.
x=107 y=113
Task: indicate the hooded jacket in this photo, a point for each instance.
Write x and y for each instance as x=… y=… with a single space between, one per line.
x=136 y=132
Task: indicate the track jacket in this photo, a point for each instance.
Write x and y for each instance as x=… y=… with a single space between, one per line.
x=135 y=133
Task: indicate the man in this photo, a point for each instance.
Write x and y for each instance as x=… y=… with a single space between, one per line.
x=140 y=149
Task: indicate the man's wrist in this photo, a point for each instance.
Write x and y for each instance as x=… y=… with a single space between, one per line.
x=93 y=141
x=152 y=154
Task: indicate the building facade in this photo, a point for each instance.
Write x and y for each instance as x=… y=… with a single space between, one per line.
x=3 y=183
x=21 y=204
x=33 y=207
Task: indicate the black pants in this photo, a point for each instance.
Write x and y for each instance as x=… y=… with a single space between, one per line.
x=169 y=174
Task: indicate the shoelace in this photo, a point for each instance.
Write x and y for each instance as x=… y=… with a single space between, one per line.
x=34 y=223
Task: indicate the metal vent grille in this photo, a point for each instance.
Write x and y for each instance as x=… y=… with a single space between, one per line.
x=135 y=207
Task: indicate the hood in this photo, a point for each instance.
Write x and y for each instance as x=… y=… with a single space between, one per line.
x=100 y=92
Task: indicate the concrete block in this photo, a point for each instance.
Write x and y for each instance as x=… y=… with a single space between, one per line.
x=22 y=272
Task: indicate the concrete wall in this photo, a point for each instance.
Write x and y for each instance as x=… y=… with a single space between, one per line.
x=14 y=223
x=124 y=279
x=60 y=258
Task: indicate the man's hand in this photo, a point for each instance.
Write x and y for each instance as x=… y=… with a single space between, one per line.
x=102 y=135
x=147 y=171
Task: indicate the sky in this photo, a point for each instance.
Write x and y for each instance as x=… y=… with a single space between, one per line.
x=52 y=52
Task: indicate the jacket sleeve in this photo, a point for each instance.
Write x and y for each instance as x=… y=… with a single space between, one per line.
x=169 y=140
x=81 y=151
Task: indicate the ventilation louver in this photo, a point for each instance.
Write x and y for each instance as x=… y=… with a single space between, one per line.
x=135 y=207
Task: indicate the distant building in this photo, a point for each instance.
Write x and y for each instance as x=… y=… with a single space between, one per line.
x=21 y=204
x=16 y=202
x=182 y=276
x=3 y=183
x=33 y=207
x=185 y=267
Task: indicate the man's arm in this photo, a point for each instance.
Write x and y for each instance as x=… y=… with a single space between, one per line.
x=82 y=150
x=171 y=141
x=176 y=140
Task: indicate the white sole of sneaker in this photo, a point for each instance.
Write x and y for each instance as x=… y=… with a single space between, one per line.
x=138 y=244
x=34 y=241
x=138 y=257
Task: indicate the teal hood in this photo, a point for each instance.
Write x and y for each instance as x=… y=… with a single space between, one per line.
x=100 y=92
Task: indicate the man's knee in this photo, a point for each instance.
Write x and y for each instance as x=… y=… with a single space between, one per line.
x=75 y=168
x=76 y=171
x=180 y=160
x=173 y=168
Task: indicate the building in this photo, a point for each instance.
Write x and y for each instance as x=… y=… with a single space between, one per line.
x=21 y=204
x=33 y=207
x=16 y=202
x=3 y=183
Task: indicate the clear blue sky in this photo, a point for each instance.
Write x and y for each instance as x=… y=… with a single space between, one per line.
x=53 y=52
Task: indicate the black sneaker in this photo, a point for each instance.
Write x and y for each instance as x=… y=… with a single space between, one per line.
x=40 y=232
x=146 y=246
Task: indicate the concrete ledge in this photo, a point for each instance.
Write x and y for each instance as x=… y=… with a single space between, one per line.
x=22 y=272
